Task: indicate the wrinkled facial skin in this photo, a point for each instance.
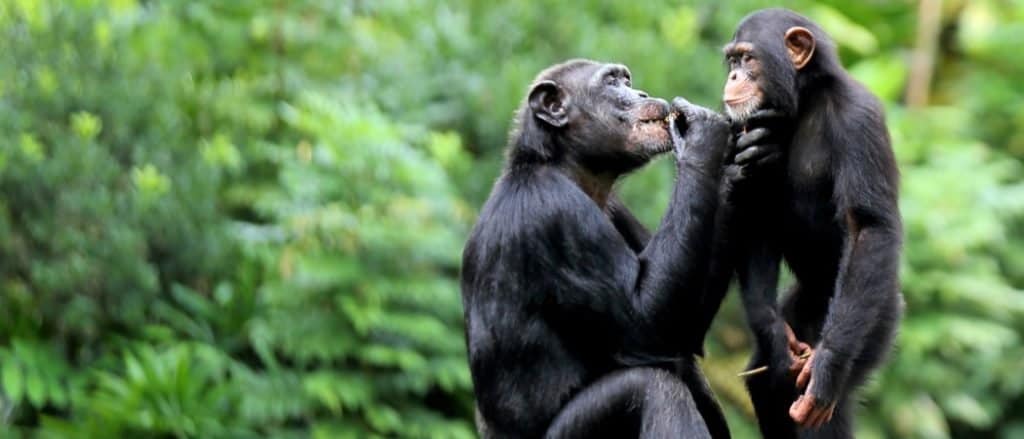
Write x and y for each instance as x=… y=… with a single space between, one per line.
x=743 y=94
x=767 y=72
x=617 y=123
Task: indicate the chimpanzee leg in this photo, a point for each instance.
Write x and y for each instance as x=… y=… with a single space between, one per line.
x=689 y=372
x=758 y=274
x=637 y=402
x=771 y=399
x=773 y=390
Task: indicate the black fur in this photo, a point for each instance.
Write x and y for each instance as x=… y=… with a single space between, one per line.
x=835 y=216
x=574 y=312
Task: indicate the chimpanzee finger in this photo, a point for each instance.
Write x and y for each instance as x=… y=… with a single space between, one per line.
x=805 y=375
x=817 y=416
x=825 y=416
x=734 y=173
x=748 y=154
x=768 y=159
x=758 y=156
x=696 y=112
x=764 y=115
x=801 y=347
x=791 y=339
x=756 y=153
x=679 y=104
x=797 y=364
x=751 y=137
x=801 y=408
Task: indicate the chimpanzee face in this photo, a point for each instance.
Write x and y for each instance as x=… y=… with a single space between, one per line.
x=743 y=93
x=763 y=67
x=605 y=124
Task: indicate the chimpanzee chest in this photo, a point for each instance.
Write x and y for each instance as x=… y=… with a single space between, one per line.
x=809 y=166
x=810 y=224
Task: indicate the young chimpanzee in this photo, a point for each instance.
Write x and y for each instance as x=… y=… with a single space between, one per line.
x=831 y=211
x=574 y=314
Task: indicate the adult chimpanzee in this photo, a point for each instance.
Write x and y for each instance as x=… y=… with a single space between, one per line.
x=574 y=314
x=832 y=209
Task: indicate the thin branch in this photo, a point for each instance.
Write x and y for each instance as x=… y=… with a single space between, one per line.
x=922 y=65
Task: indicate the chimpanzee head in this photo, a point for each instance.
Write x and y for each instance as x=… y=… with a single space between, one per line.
x=774 y=56
x=588 y=114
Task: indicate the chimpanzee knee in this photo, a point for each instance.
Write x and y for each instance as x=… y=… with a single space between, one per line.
x=637 y=402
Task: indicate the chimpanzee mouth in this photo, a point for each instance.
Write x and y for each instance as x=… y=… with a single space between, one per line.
x=650 y=134
x=663 y=122
x=654 y=127
x=741 y=109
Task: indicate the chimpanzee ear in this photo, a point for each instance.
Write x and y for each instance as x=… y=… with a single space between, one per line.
x=550 y=103
x=800 y=43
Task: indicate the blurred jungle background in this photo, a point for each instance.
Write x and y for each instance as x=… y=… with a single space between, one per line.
x=244 y=218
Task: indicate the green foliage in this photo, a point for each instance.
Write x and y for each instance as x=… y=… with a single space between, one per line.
x=369 y=226
x=244 y=219
x=206 y=237
x=34 y=374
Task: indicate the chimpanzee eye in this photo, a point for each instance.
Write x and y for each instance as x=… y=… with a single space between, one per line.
x=629 y=82
x=746 y=57
x=609 y=79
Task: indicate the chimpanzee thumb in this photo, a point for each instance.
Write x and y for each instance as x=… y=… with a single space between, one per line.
x=700 y=136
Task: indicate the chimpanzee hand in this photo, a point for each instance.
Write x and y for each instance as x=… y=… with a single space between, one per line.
x=700 y=136
x=799 y=352
x=824 y=377
x=759 y=141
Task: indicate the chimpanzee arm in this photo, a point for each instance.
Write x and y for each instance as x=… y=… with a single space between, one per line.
x=739 y=224
x=602 y=277
x=720 y=269
x=866 y=305
x=721 y=260
x=758 y=255
x=758 y=273
x=720 y=266
x=646 y=293
x=752 y=162
x=677 y=257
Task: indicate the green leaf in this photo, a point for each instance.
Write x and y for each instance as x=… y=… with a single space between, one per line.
x=86 y=125
x=56 y=392
x=967 y=409
x=883 y=75
x=12 y=379
x=844 y=31
x=35 y=389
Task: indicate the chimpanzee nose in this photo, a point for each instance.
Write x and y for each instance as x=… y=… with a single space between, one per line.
x=733 y=76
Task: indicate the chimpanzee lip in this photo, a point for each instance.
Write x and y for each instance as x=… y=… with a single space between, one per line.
x=739 y=100
x=659 y=115
x=655 y=119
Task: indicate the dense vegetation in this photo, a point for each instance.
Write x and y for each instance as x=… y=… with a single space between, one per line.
x=244 y=218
